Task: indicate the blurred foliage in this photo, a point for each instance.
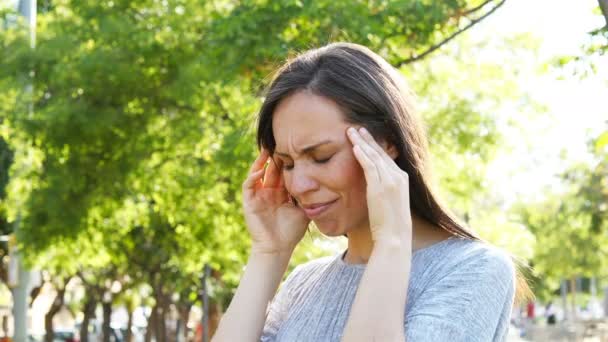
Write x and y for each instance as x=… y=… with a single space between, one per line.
x=571 y=227
x=461 y=97
x=593 y=51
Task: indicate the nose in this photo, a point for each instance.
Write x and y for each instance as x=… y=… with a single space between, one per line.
x=300 y=182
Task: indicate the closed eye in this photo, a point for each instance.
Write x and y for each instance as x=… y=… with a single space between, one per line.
x=322 y=161
x=318 y=161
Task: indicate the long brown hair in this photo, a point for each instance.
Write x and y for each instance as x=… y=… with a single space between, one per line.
x=372 y=94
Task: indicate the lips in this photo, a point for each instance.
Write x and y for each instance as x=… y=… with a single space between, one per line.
x=315 y=210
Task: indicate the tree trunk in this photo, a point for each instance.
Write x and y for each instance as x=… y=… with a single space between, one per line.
x=151 y=329
x=158 y=332
x=573 y=289
x=34 y=293
x=48 y=326
x=164 y=309
x=604 y=8
x=89 y=312
x=129 y=335
x=182 y=322
x=107 y=317
x=215 y=315
x=160 y=311
x=564 y=294
x=48 y=318
x=216 y=308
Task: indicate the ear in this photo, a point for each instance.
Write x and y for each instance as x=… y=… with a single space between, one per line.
x=390 y=149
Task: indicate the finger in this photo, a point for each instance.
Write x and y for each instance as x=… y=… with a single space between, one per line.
x=253 y=180
x=367 y=137
x=385 y=171
x=260 y=161
x=281 y=184
x=272 y=176
x=355 y=137
x=372 y=154
x=281 y=178
x=369 y=169
x=279 y=165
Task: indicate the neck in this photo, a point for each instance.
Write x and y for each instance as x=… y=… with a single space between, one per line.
x=360 y=243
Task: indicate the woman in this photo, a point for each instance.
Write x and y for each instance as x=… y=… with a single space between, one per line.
x=342 y=146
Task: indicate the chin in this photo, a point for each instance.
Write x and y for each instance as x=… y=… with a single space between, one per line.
x=330 y=229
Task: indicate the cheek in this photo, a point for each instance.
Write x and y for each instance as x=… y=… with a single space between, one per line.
x=352 y=181
x=287 y=180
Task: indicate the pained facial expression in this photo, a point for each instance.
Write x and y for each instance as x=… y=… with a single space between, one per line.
x=318 y=165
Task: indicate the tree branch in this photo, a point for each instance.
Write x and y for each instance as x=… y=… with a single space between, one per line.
x=475 y=9
x=453 y=35
x=604 y=8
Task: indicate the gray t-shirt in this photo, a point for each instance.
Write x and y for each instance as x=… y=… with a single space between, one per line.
x=459 y=290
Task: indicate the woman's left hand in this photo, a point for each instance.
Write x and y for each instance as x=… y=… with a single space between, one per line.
x=388 y=196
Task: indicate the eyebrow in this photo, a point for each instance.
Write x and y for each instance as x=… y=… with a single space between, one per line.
x=306 y=149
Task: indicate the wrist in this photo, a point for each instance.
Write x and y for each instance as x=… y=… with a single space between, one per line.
x=393 y=241
x=268 y=247
x=270 y=254
x=269 y=263
x=393 y=245
x=393 y=252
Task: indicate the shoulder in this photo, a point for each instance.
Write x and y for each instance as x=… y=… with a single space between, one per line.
x=457 y=256
x=305 y=270
x=480 y=253
x=482 y=258
x=462 y=270
x=463 y=288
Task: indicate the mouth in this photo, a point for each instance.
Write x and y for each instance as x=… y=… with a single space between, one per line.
x=315 y=210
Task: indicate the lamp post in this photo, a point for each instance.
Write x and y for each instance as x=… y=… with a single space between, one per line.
x=205 y=298
x=20 y=276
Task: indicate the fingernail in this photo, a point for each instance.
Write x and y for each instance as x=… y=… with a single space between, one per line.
x=362 y=130
x=351 y=130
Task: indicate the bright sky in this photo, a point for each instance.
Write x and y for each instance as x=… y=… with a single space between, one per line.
x=576 y=108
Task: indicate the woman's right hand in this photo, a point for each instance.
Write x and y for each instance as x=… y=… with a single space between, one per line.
x=275 y=224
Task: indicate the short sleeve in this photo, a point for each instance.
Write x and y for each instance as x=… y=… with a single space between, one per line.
x=279 y=307
x=471 y=303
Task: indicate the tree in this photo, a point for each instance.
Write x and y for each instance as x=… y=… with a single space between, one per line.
x=570 y=227
x=6 y=158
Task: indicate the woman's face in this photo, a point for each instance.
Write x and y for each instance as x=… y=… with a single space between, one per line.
x=317 y=162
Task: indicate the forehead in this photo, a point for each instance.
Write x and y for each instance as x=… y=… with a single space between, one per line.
x=304 y=118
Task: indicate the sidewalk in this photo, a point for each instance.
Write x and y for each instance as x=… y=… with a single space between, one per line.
x=587 y=331
x=514 y=333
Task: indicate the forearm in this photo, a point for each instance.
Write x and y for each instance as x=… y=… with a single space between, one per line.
x=244 y=319
x=378 y=311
